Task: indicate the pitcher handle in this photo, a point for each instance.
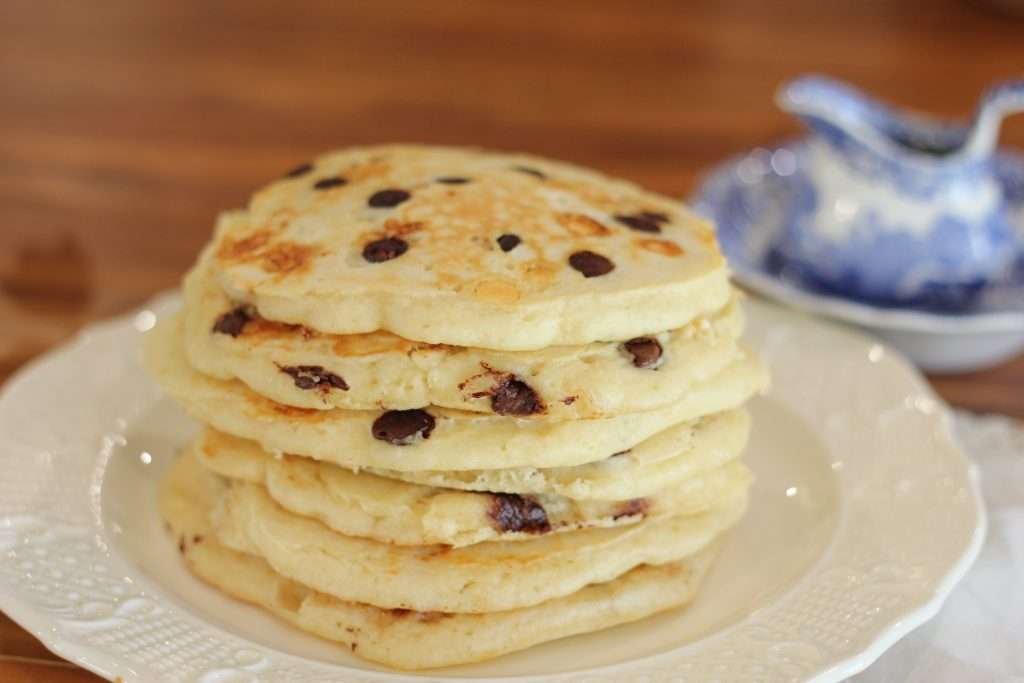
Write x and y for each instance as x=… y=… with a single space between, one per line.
x=998 y=102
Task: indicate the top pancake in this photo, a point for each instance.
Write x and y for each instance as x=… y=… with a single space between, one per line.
x=406 y=239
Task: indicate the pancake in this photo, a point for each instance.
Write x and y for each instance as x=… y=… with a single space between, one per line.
x=485 y=577
x=669 y=458
x=392 y=511
x=374 y=238
x=666 y=459
x=456 y=402
x=433 y=439
x=405 y=639
x=297 y=366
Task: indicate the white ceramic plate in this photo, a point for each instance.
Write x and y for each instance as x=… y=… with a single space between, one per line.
x=864 y=515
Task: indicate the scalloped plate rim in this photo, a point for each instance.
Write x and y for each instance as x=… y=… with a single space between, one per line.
x=107 y=664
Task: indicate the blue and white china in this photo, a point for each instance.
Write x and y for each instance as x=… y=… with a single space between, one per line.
x=894 y=208
x=751 y=199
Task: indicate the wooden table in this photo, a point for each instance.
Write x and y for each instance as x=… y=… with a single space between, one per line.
x=127 y=125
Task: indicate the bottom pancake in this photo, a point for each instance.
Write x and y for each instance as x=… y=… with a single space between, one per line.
x=418 y=640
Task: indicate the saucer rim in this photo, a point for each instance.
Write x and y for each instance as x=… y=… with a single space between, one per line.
x=872 y=316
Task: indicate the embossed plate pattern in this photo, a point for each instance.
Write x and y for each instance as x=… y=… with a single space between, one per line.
x=864 y=515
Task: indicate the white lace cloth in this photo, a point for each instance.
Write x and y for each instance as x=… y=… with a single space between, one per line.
x=978 y=636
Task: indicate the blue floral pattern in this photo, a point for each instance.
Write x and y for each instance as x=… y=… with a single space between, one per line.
x=891 y=208
x=926 y=140
x=754 y=212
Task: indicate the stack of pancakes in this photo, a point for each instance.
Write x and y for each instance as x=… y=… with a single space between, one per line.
x=456 y=403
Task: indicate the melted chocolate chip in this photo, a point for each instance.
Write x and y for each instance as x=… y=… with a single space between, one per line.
x=511 y=512
x=425 y=617
x=453 y=180
x=385 y=199
x=591 y=264
x=508 y=242
x=529 y=170
x=402 y=427
x=515 y=397
x=314 y=377
x=385 y=249
x=431 y=617
x=631 y=508
x=299 y=170
x=328 y=183
x=233 y=322
x=646 y=351
x=641 y=221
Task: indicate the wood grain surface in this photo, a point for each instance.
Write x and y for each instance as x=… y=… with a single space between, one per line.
x=125 y=126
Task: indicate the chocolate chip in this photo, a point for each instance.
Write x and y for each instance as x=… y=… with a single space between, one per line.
x=328 y=183
x=508 y=242
x=646 y=351
x=314 y=376
x=233 y=322
x=641 y=221
x=300 y=170
x=656 y=216
x=631 y=508
x=511 y=512
x=384 y=249
x=402 y=427
x=385 y=199
x=591 y=264
x=529 y=170
x=515 y=397
x=453 y=180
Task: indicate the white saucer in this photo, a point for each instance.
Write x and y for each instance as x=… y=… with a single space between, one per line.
x=864 y=515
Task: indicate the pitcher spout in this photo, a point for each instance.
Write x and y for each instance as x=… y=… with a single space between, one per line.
x=841 y=114
x=835 y=111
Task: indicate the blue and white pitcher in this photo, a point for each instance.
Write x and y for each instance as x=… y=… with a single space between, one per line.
x=897 y=208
